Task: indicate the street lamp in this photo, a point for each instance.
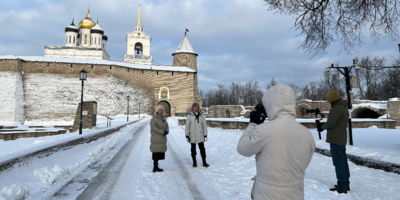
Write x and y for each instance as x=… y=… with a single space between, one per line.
x=82 y=77
x=127 y=113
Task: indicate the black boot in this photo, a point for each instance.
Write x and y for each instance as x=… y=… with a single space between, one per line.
x=194 y=161
x=155 y=167
x=203 y=154
x=193 y=151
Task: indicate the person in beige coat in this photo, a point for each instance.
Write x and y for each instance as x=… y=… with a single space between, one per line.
x=282 y=146
x=196 y=133
x=159 y=130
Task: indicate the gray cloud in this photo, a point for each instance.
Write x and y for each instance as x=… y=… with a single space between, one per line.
x=237 y=41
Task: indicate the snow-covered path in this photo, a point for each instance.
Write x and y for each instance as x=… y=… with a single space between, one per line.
x=124 y=171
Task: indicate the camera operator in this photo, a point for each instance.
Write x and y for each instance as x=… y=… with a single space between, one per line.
x=283 y=147
x=337 y=137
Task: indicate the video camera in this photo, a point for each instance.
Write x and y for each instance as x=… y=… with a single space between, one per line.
x=260 y=108
x=316 y=112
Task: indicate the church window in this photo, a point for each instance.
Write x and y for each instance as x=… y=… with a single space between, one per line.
x=157 y=72
x=74 y=40
x=172 y=73
x=142 y=71
x=95 y=41
x=99 y=41
x=110 y=68
x=70 y=39
x=85 y=38
x=92 y=66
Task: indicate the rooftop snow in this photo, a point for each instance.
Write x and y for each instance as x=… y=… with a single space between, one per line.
x=185 y=46
x=370 y=105
x=97 y=62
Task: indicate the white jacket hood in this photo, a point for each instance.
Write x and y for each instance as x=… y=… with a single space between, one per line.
x=279 y=100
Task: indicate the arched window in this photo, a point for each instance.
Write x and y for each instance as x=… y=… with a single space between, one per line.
x=70 y=39
x=85 y=38
x=74 y=40
x=99 y=41
x=95 y=41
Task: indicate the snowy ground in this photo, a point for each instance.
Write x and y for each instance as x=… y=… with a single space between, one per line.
x=119 y=167
x=375 y=143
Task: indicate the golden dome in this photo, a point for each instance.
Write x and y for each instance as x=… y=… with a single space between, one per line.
x=87 y=22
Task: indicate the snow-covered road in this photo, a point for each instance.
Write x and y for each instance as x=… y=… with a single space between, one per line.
x=125 y=172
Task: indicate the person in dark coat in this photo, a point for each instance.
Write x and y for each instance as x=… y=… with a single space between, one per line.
x=196 y=133
x=336 y=127
x=159 y=130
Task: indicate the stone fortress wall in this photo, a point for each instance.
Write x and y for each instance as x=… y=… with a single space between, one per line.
x=37 y=91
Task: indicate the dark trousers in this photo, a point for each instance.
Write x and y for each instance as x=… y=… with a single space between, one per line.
x=201 y=147
x=339 y=158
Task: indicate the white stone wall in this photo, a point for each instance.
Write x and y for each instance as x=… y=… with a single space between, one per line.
x=76 y=53
x=55 y=97
x=12 y=97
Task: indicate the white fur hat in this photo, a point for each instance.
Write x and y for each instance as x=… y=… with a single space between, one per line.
x=159 y=107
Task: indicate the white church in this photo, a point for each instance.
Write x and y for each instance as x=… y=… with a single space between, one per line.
x=85 y=41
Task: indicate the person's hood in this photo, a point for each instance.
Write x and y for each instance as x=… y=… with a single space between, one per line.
x=340 y=102
x=279 y=101
x=158 y=107
x=195 y=104
x=333 y=96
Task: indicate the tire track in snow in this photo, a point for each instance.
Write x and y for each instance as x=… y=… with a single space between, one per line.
x=101 y=187
x=186 y=175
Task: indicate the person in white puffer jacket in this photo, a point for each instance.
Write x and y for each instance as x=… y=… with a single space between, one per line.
x=196 y=133
x=282 y=146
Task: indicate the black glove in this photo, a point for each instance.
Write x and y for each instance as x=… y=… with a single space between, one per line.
x=205 y=138
x=188 y=139
x=255 y=117
x=319 y=128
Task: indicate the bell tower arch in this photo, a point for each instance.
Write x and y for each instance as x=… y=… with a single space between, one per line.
x=138 y=46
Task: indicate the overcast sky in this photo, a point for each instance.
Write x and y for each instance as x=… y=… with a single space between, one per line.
x=237 y=40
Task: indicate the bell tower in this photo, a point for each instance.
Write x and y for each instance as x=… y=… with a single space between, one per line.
x=138 y=46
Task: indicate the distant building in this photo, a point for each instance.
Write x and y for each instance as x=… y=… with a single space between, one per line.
x=85 y=41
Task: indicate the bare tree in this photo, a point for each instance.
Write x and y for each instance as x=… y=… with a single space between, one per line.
x=271 y=83
x=370 y=78
x=324 y=21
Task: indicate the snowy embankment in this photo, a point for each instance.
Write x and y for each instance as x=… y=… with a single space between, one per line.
x=18 y=149
x=373 y=143
x=42 y=177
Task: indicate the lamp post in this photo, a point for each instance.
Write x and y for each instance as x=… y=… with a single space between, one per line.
x=346 y=73
x=82 y=77
x=127 y=113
